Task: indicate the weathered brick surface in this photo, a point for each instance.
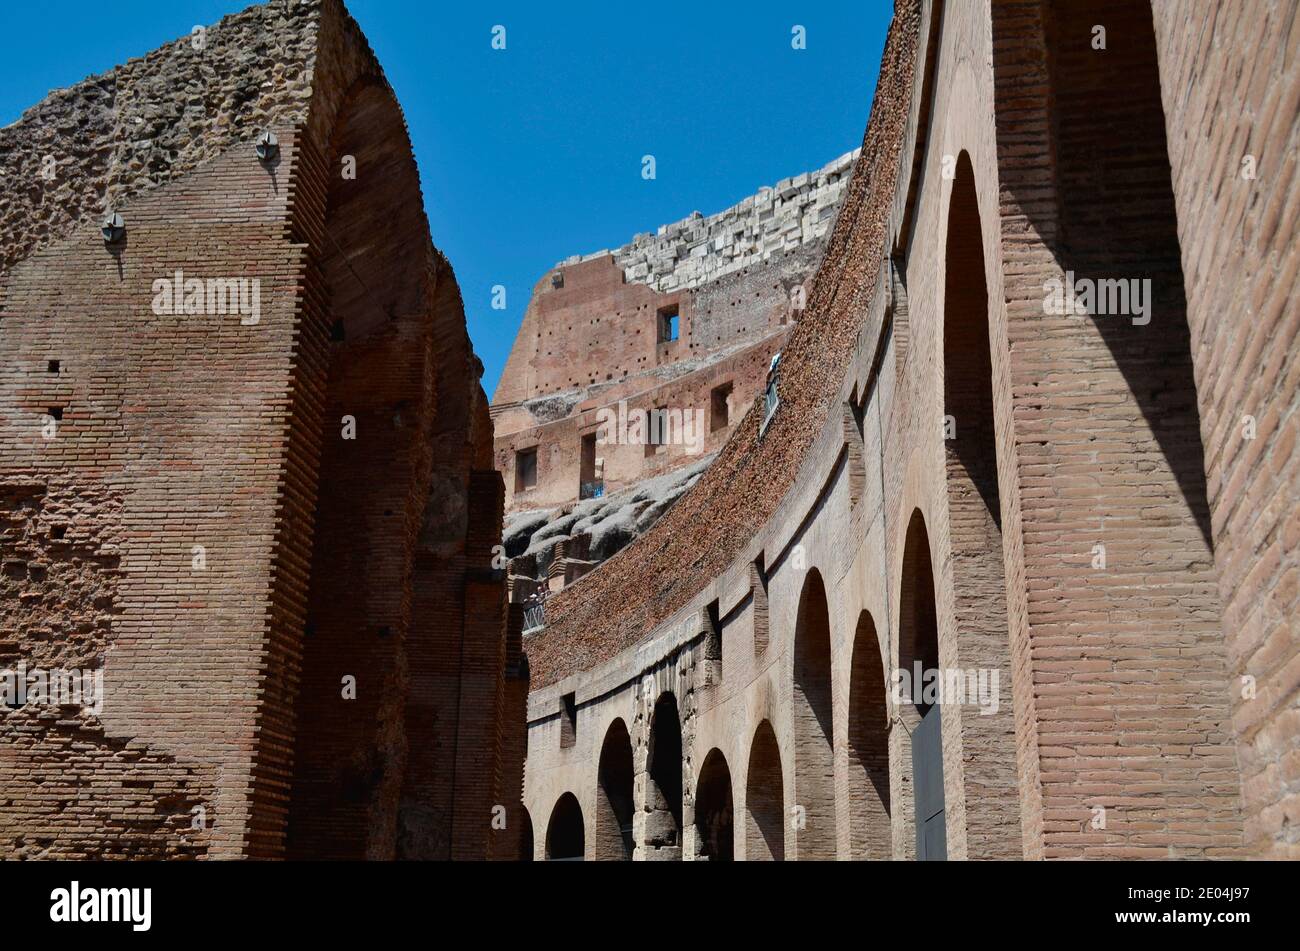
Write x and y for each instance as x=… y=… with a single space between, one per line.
x=1088 y=532
x=1230 y=90
x=223 y=667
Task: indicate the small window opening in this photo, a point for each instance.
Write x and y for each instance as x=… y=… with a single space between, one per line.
x=712 y=665
x=656 y=437
x=525 y=469
x=720 y=404
x=668 y=324
x=568 y=720
x=591 y=483
x=52 y=366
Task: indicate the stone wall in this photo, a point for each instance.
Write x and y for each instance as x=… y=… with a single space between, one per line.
x=795 y=212
x=1230 y=90
x=183 y=492
x=970 y=481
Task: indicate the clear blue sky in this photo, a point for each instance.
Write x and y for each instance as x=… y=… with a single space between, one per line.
x=532 y=154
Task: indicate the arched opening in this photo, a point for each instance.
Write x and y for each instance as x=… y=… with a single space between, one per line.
x=565 y=837
x=663 y=827
x=614 y=805
x=869 y=816
x=713 y=813
x=764 y=798
x=968 y=376
x=982 y=645
x=918 y=656
x=526 y=837
x=814 y=759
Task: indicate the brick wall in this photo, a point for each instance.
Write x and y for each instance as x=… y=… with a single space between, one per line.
x=165 y=529
x=1229 y=84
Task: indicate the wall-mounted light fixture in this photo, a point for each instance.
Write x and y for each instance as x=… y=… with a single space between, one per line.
x=113 y=228
x=268 y=146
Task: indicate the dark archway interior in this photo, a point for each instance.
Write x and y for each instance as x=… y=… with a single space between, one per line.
x=918 y=627
x=663 y=830
x=565 y=836
x=967 y=365
x=713 y=809
x=869 y=805
x=374 y=257
x=918 y=650
x=526 y=845
x=614 y=805
x=764 y=798
x=975 y=517
x=814 y=744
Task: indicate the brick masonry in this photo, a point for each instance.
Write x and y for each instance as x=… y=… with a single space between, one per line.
x=1230 y=89
x=186 y=495
x=590 y=338
x=1064 y=499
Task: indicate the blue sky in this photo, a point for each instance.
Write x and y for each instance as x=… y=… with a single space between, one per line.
x=533 y=153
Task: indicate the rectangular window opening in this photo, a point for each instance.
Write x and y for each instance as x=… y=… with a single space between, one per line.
x=656 y=436
x=669 y=324
x=568 y=720
x=525 y=469
x=591 y=482
x=720 y=401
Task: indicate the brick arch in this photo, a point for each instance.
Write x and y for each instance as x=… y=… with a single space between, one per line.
x=565 y=833
x=918 y=649
x=612 y=834
x=714 y=815
x=868 y=747
x=764 y=798
x=813 y=712
x=663 y=824
x=981 y=645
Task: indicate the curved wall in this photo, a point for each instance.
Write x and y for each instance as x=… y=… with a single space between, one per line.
x=1096 y=720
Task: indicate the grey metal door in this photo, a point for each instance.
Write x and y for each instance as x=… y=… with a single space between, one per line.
x=927 y=776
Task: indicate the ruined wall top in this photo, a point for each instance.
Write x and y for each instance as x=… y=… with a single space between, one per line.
x=698 y=249
x=83 y=149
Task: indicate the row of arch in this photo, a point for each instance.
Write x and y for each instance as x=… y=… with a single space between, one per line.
x=806 y=828
x=980 y=614
x=905 y=814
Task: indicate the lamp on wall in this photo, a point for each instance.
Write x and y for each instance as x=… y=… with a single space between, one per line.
x=268 y=146
x=113 y=228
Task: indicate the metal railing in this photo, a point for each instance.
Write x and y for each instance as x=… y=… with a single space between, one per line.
x=534 y=616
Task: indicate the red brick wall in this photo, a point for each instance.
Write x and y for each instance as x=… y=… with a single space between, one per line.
x=559 y=443
x=186 y=420
x=1127 y=662
x=1230 y=84
x=190 y=430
